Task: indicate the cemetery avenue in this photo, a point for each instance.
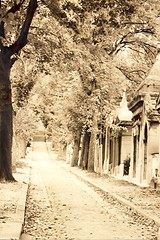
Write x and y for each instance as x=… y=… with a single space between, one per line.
x=62 y=206
x=79 y=120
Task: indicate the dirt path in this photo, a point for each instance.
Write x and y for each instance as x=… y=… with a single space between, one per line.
x=60 y=206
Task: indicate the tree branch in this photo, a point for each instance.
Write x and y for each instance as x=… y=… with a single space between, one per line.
x=16 y=7
x=129 y=74
x=131 y=39
x=22 y=40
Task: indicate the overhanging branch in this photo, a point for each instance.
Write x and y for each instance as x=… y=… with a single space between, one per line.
x=129 y=73
x=22 y=40
x=16 y=7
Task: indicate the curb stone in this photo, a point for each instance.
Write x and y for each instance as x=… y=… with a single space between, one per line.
x=12 y=229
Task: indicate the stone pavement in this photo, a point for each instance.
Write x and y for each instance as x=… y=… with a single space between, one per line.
x=12 y=203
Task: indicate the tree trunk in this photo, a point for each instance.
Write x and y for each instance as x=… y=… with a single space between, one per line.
x=92 y=146
x=86 y=150
x=6 y=125
x=5 y=118
x=14 y=153
x=82 y=151
x=75 y=155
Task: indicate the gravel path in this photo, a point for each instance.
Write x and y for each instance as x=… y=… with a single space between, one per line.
x=148 y=199
x=60 y=206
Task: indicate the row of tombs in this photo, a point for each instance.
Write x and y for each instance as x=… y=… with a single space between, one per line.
x=132 y=150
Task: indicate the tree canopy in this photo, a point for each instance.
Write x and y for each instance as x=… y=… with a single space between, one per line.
x=89 y=52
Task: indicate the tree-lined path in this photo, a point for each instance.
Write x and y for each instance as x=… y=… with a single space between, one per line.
x=60 y=206
x=80 y=58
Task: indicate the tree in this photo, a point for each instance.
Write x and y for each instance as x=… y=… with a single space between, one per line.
x=13 y=37
x=93 y=39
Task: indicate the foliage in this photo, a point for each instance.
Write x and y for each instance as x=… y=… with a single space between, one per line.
x=25 y=127
x=90 y=51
